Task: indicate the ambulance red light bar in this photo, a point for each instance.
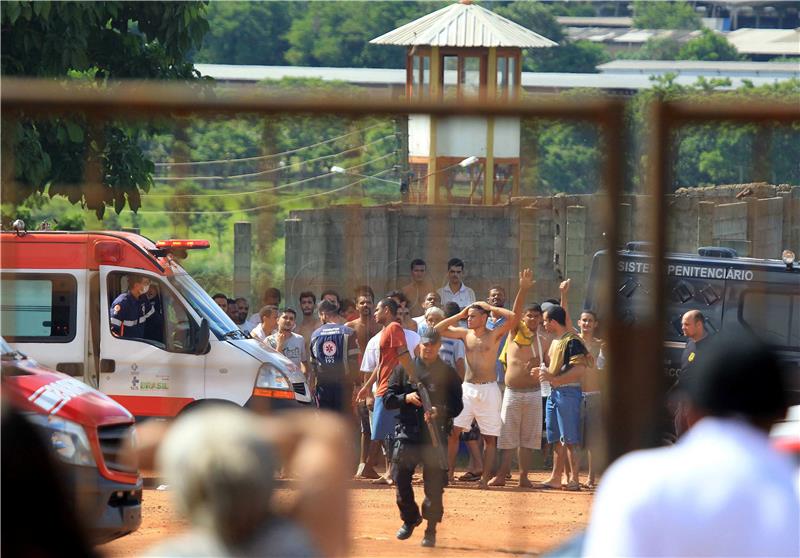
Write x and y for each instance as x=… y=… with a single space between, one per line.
x=182 y=244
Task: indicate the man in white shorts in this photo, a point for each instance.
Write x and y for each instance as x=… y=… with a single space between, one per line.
x=481 y=394
x=525 y=349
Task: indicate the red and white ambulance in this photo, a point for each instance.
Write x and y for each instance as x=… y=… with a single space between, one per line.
x=57 y=287
x=87 y=431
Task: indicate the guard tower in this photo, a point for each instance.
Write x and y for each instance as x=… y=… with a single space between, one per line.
x=463 y=51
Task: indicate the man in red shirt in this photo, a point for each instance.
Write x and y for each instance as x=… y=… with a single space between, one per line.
x=393 y=351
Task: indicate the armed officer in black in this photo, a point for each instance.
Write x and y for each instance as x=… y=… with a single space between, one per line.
x=413 y=439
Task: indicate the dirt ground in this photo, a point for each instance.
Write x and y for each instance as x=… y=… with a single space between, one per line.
x=482 y=523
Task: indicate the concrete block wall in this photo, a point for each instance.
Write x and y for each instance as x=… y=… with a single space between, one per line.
x=343 y=246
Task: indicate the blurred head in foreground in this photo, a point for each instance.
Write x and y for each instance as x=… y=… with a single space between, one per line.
x=740 y=377
x=221 y=471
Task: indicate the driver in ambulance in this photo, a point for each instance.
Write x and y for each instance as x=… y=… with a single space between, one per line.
x=129 y=311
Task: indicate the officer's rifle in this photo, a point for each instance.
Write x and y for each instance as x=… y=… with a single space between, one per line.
x=427 y=406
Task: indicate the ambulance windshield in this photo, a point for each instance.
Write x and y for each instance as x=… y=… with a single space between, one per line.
x=219 y=322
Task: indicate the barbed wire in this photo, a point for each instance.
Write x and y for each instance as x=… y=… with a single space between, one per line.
x=270 y=188
x=269 y=171
x=266 y=206
x=263 y=157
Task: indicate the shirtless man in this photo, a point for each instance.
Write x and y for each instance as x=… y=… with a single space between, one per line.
x=310 y=323
x=418 y=288
x=365 y=327
x=482 y=397
x=521 y=413
x=590 y=385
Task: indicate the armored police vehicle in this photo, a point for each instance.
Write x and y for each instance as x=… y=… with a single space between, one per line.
x=759 y=295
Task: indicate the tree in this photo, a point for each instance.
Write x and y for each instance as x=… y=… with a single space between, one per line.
x=664 y=15
x=579 y=56
x=337 y=34
x=656 y=48
x=246 y=33
x=534 y=16
x=90 y=42
x=708 y=46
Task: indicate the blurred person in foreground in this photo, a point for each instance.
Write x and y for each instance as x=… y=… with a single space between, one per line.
x=220 y=462
x=723 y=489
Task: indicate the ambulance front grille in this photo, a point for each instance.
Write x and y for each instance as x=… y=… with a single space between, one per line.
x=112 y=441
x=299 y=387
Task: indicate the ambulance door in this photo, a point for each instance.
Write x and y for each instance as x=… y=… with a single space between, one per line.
x=159 y=373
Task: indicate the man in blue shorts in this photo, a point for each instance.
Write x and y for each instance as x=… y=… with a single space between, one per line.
x=568 y=363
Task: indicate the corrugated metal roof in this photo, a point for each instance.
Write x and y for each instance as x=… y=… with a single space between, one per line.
x=766 y=41
x=531 y=81
x=587 y=21
x=463 y=25
x=704 y=68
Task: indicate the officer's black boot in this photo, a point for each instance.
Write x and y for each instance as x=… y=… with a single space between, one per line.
x=406 y=529
x=429 y=539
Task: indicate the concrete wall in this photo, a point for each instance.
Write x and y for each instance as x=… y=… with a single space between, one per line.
x=343 y=246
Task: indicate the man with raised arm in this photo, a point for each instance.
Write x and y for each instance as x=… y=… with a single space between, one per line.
x=481 y=394
x=521 y=415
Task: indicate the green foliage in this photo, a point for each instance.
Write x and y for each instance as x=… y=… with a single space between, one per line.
x=90 y=42
x=535 y=16
x=572 y=8
x=246 y=33
x=664 y=15
x=656 y=48
x=708 y=46
x=337 y=34
x=578 y=56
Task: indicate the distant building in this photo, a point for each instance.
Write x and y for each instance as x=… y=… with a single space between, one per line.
x=623 y=77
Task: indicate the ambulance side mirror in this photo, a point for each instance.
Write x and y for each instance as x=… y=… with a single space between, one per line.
x=201 y=346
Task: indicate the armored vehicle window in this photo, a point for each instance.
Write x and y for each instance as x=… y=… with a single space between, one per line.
x=772 y=315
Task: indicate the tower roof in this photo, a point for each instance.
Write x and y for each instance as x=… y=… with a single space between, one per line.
x=463 y=25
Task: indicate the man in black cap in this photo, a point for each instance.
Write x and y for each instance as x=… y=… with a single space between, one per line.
x=723 y=489
x=414 y=442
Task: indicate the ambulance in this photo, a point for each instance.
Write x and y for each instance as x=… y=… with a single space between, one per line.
x=57 y=288
x=87 y=432
x=761 y=296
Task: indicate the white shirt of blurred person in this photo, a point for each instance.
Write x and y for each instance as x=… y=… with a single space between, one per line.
x=288 y=343
x=310 y=322
x=220 y=463
x=481 y=394
x=723 y=489
x=497 y=298
x=269 y=323
x=272 y=297
x=431 y=299
x=455 y=290
x=222 y=301
x=418 y=289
